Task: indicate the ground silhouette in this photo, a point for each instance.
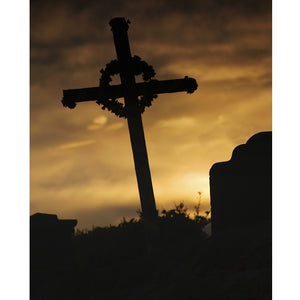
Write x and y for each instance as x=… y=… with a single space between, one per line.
x=114 y=262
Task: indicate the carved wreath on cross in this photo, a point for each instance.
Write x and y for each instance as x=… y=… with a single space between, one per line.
x=112 y=104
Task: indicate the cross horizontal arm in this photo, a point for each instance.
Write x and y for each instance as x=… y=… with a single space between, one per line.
x=116 y=91
x=169 y=86
x=92 y=93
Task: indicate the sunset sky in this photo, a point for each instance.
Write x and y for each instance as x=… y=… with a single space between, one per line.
x=81 y=163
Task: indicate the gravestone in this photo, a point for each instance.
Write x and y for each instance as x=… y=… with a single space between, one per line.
x=51 y=255
x=241 y=188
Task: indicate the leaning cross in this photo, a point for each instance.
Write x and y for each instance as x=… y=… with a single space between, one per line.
x=136 y=97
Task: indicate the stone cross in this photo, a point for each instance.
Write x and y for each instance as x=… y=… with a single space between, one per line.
x=133 y=94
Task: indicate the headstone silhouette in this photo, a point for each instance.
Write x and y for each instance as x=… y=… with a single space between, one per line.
x=51 y=255
x=136 y=96
x=241 y=188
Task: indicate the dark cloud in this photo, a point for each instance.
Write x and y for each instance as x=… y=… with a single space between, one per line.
x=58 y=29
x=73 y=22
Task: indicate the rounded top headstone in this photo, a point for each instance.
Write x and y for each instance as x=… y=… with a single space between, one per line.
x=255 y=154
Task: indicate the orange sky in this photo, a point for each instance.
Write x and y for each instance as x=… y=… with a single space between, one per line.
x=81 y=159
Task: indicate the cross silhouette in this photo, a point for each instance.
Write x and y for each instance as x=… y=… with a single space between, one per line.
x=136 y=97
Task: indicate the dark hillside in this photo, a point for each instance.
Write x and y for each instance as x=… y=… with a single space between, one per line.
x=117 y=262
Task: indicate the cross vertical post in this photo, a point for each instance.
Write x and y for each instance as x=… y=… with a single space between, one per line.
x=119 y=28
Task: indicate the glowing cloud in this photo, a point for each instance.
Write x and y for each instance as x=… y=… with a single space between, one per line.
x=183 y=122
x=76 y=144
x=98 y=123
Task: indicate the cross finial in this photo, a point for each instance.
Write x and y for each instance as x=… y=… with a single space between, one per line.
x=119 y=24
